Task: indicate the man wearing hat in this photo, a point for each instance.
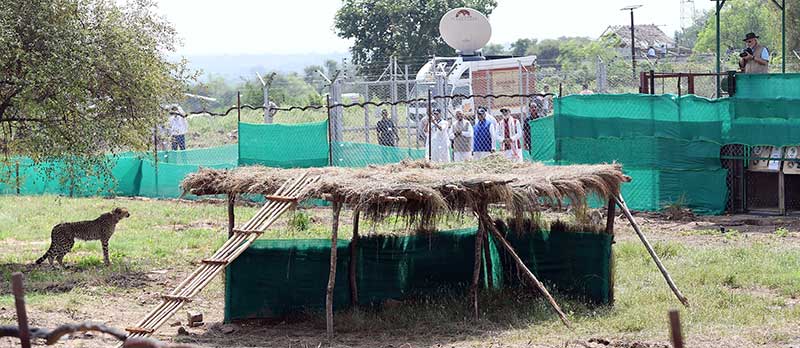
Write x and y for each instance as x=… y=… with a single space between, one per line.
x=755 y=58
x=178 y=127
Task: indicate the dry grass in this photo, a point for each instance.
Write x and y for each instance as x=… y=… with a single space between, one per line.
x=423 y=191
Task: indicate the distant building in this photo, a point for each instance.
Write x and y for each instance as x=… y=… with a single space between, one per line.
x=646 y=35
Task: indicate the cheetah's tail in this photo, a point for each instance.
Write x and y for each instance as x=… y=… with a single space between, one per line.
x=41 y=259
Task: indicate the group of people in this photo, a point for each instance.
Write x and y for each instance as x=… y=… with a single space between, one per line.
x=476 y=139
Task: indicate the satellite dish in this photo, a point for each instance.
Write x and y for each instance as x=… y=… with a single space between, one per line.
x=465 y=29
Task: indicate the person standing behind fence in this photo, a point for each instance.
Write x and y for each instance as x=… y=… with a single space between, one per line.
x=547 y=103
x=509 y=135
x=461 y=133
x=437 y=143
x=178 y=127
x=387 y=133
x=585 y=90
x=484 y=133
x=533 y=114
x=755 y=58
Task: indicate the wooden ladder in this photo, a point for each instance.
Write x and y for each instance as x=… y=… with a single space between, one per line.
x=282 y=200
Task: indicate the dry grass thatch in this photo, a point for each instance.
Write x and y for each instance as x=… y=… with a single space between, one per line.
x=421 y=190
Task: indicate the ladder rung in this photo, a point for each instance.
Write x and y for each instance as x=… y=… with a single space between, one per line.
x=247 y=231
x=277 y=198
x=139 y=330
x=215 y=261
x=178 y=298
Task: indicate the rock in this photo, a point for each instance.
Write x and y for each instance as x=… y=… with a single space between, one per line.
x=229 y=328
x=175 y=323
x=182 y=331
x=194 y=318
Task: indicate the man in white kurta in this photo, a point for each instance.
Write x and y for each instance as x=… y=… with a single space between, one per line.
x=509 y=133
x=438 y=141
x=461 y=136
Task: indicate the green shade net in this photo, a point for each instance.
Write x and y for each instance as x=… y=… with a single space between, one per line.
x=543 y=145
x=391 y=267
x=669 y=145
x=284 y=146
x=348 y=154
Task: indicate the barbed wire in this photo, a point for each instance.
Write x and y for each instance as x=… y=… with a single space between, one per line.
x=367 y=103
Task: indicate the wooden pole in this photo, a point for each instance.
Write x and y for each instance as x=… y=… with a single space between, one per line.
x=22 y=315
x=476 y=272
x=231 y=216
x=610 y=231
x=675 y=329
x=337 y=206
x=487 y=221
x=354 y=260
x=650 y=250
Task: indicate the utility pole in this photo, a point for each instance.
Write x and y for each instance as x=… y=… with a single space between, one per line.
x=633 y=39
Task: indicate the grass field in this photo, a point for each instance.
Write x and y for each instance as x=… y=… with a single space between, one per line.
x=744 y=286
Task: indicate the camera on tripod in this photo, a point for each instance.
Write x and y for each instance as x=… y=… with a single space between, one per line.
x=746 y=52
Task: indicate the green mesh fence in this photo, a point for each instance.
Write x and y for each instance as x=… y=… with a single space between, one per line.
x=348 y=154
x=543 y=145
x=670 y=146
x=284 y=146
x=391 y=267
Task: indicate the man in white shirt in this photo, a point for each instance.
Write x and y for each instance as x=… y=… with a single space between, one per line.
x=509 y=133
x=461 y=136
x=178 y=127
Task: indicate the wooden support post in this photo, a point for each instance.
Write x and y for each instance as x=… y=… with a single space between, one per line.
x=337 y=207
x=650 y=250
x=675 y=329
x=354 y=261
x=476 y=273
x=22 y=315
x=231 y=216
x=781 y=192
x=611 y=215
x=487 y=221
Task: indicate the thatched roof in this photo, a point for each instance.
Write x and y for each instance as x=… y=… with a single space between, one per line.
x=422 y=190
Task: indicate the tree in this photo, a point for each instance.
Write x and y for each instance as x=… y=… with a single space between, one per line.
x=520 y=47
x=79 y=78
x=737 y=19
x=494 y=50
x=402 y=28
x=688 y=36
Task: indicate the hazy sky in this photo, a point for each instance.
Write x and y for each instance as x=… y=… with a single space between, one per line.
x=306 y=26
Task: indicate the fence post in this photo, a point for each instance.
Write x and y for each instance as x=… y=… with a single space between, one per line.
x=22 y=315
x=366 y=112
x=408 y=107
x=330 y=133
x=675 y=329
x=430 y=121
x=602 y=76
x=336 y=111
x=393 y=92
x=652 y=82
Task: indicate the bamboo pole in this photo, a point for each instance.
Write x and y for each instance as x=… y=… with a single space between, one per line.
x=476 y=272
x=354 y=260
x=487 y=221
x=619 y=200
x=337 y=206
x=487 y=260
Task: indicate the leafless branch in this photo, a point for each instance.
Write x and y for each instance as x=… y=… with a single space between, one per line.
x=51 y=337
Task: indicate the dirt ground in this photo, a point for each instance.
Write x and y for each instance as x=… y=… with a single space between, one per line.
x=138 y=292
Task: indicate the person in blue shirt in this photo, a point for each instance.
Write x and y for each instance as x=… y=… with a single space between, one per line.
x=484 y=134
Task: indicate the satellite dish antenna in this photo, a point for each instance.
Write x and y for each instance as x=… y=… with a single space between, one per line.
x=464 y=29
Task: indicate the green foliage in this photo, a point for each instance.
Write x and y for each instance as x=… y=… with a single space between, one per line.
x=87 y=63
x=494 y=50
x=83 y=77
x=299 y=221
x=737 y=19
x=520 y=47
x=384 y=28
x=781 y=232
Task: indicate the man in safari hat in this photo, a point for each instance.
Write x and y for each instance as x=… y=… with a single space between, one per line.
x=755 y=58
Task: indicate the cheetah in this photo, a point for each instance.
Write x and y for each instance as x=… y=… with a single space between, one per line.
x=62 y=238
